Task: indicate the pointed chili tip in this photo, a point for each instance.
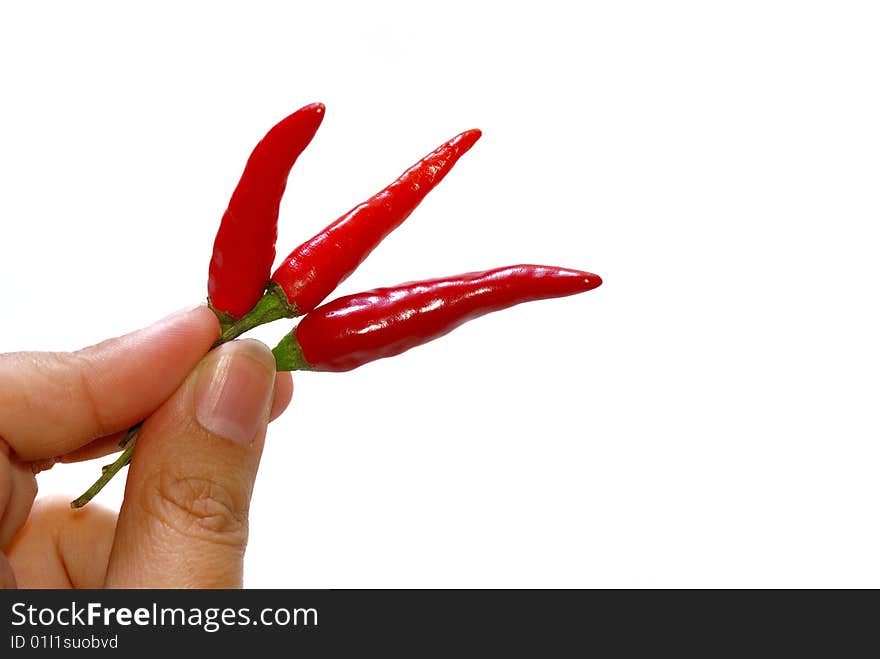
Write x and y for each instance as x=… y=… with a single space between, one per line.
x=581 y=280
x=313 y=115
x=313 y=112
x=318 y=110
x=469 y=137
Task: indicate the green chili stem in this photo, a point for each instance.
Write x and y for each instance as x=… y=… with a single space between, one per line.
x=109 y=471
x=272 y=306
x=288 y=355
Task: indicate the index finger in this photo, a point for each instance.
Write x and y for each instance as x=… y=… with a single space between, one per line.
x=53 y=403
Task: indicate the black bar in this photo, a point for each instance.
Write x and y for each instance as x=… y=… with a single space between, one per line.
x=417 y=622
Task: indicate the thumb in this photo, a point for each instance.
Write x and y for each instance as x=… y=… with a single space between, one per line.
x=183 y=522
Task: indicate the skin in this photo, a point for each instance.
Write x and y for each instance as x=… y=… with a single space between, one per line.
x=183 y=522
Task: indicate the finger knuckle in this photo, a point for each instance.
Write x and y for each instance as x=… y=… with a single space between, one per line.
x=198 y=507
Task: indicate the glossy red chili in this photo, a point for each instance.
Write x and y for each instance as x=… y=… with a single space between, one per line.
x=314 y=269
x=244 y=248
x=354 y=330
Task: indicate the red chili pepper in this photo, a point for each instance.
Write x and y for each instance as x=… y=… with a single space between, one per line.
x=314 y=269
x=244 y=248
x=353 y=330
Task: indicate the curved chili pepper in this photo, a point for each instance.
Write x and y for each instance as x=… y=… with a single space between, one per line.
x=314 y=269
x=354 y=330
x=244 y=248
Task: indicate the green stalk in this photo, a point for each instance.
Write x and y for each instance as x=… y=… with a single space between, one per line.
x=272 y=306
x=109 y=471
x=289 y=356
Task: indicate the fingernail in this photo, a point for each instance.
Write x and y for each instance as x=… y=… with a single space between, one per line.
x=234 y=390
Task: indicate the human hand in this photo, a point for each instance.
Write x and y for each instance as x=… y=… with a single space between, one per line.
x=183 y=521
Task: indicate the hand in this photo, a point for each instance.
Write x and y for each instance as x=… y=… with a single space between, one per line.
x=183 y=521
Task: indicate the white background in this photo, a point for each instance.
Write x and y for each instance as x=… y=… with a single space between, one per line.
x=708 y=417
